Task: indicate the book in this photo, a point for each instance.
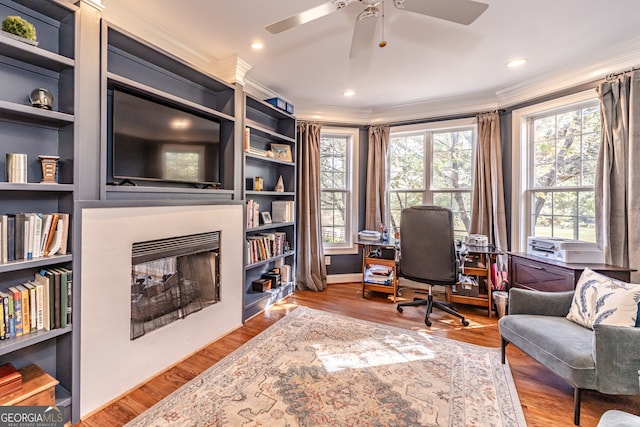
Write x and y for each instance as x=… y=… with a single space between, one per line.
x=26 y=309
x=54 y=244
x=42 y=283
x=4 y=297
x=51 y=235
x=11 y=319
x=46 y=225
x=55 y=296
x=61 y=287
x=11 y=237
x=64 y=237
x=50 y=276
x=19 y=235
x=3 y=319
x=17 y=309
x=3 y=239
x=33 y=305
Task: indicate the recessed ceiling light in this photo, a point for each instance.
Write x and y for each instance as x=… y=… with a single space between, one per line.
x=257 y=45
x=516 y=62
x=348 y=92
x=179 y=124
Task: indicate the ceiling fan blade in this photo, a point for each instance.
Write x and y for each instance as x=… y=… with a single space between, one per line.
x=459 y=11
x=363 y=33
x=304 y=17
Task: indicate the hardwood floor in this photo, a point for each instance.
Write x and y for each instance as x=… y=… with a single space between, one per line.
x=546 y=399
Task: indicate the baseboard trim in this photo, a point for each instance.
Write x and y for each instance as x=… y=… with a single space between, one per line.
x=344 y=278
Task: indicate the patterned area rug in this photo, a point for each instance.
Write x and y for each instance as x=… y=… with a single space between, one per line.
x=314 y=368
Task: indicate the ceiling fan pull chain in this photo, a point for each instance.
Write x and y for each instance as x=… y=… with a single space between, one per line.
x=383 y=42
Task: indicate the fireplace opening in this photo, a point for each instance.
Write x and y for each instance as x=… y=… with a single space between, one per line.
x=172 y=278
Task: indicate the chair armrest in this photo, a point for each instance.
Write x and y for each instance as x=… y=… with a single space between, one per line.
x=617 y=359
x=524 y=301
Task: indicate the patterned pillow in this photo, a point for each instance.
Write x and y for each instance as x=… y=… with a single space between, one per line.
x=602 y=300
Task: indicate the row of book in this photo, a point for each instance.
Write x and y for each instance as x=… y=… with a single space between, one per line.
x=41 y=304
x=281 y=211
x=25 y=236
x=264 y=246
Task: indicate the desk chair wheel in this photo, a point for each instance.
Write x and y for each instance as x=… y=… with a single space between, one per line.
x=465 y=323
x=399 y=309
x=428 y=322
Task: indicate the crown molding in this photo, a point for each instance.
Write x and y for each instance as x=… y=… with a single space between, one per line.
x=585 y=70
x=96 y=4
x=232 y=69
x=154 y=35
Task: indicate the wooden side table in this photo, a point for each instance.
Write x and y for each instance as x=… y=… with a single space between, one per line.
x=375 y=252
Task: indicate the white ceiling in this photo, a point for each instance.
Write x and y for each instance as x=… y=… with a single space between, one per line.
x=426 y=62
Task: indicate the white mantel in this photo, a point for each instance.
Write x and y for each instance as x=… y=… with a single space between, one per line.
x=110 y=363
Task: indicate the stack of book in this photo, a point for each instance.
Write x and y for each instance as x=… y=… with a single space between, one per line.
x=265 y=245
x=25 y=236
x=378 y=274
x=369 y=235
x=41 y=304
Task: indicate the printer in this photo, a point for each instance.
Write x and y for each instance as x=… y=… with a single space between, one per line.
x=565 y=250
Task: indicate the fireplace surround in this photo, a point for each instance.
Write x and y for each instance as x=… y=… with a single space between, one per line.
x=110 y=362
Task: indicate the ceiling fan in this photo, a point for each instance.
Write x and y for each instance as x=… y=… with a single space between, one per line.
x=458 y=11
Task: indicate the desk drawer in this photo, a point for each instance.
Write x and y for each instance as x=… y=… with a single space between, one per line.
x=529 y=274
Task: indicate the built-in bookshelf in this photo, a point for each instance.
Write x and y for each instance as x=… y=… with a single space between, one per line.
x=142 y=70
x=270 y=193
x=34 y=132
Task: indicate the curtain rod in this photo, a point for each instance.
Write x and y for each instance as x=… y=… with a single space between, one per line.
x=614 y=75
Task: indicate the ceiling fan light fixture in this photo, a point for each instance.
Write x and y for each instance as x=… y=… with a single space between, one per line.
x=348 y=93
x=257 y=45
x=516 y=62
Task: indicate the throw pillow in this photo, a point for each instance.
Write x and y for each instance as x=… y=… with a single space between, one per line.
x=602 y=300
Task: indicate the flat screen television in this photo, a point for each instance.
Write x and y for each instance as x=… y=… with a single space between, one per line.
x=153 y=141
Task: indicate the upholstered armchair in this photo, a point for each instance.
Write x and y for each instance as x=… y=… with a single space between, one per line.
x=605 y=358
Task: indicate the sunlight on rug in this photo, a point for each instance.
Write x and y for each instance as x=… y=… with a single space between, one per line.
x=314 y=368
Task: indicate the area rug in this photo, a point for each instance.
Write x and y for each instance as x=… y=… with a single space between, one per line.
x=314 y=368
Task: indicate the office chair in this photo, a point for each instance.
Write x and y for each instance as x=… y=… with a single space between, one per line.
x=428 y=254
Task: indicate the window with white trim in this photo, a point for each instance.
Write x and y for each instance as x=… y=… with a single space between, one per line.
x=432 y=164
x=338 y=189
x=559 y=143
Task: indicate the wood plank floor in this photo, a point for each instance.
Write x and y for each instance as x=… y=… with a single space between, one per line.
x=546 y=399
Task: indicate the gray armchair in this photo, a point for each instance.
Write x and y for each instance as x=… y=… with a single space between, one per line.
x=605 y=359
x=428 y=254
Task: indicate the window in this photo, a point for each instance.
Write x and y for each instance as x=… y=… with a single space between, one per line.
x=558 y=153
x=432 y=164
x=183 y=162
x=338 y=184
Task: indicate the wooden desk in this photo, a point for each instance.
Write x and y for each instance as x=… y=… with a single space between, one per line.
x=541 y=274
x=486 y=256
x=384 y=254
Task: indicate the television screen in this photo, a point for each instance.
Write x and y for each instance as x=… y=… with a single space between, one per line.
x=154 y=141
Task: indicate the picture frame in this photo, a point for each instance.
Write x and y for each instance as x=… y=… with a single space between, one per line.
x=266 y=217
x=282 y=152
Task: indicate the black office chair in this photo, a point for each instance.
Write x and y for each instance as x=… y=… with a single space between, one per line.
x=428 y=254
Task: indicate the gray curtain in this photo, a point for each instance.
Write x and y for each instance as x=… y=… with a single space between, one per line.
x=487 y=206
x=311 y=271
x=617 y=189
x=375 y=202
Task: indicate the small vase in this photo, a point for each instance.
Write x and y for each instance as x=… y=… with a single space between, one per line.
x=279 y=185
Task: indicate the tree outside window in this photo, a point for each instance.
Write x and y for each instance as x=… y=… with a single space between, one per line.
x=563 y=152
x=432 y=167
x=337 y=185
